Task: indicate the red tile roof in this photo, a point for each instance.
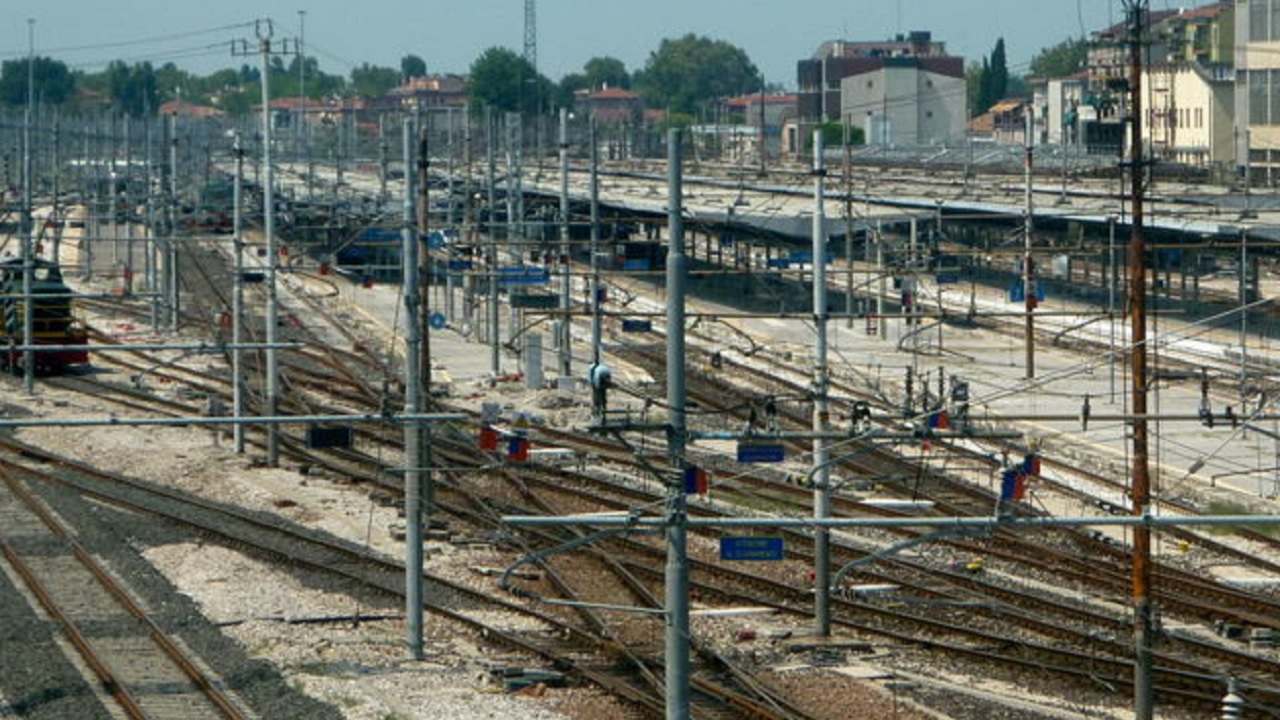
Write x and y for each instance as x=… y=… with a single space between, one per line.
x=614 y=93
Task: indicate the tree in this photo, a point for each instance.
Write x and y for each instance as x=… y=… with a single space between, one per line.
x=372 y=81
x=973 y=88
x=833 y=135
x=603 y=72
x=412 y=66
x=134 y=88
x=999 y=84
x=989 y=84
x=505 y=81
x=684 y=75
x=1066 y=58
x=53 y=82
x=984 y=87
x=173 y=82
x=238 y=103
x=566 y=91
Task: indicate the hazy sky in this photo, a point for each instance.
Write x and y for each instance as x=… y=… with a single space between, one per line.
x=196 y=34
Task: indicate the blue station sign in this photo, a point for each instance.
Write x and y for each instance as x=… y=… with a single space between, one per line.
x=751 y=548
x=756 y=452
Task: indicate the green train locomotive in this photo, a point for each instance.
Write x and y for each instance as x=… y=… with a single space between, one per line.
x=52 y=320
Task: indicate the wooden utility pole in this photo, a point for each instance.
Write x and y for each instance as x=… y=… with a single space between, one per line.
x=1143 y=611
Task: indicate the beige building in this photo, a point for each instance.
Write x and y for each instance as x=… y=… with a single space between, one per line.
x=1257 y=96
x=906 y=100
x=1188 y=117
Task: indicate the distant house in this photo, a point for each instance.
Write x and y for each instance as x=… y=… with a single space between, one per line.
x=291 y=111
x=1060 y=109
x=430 y=91
x=184 y=109
x=615 y=106
x=1191 y=92
x=1008 y=122
x=772 y=112
x=1188 y=116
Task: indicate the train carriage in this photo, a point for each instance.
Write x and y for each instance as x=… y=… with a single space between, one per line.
x=53 y=321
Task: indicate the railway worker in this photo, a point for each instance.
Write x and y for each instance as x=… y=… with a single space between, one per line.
x=601 y=379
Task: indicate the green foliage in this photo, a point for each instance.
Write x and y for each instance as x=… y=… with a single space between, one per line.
x=412 y=66
x=999 y=72
x=1066 y=58
x=1223 y=507
x=685 y=75
x=239 y=102
x=989 y=84
x=134 y=88
x=568 y=88
x=973 y=88
x=603 y=72
x=833 y=135
x=372 y=81
x=675 y=121
x=53 y=82
x=506 y=82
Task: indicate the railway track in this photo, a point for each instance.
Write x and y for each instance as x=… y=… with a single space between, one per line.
x=952 y=500
x=145 y=672
x=930 y=632
x=590 y=655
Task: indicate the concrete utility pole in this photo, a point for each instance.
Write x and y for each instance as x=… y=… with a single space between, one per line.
x=1143 y=610
x=566 y=280
x=422 y=128
x=413 y=480
x=237 y=298
x=1028 y=264
x=271 y=396
x=56 y=167
x=28 y=224
x=149 y=244
x=299 y=126
x=677 y=570
x=848 y=223
x=594 y=191
x=170 y=270
x=491 y=140
x=821 y=471
x=515 y=207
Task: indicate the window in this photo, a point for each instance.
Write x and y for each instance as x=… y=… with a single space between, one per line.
x=1258 y=25
x=1274 y=29
x=1258 y=110
x=1274 y=91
